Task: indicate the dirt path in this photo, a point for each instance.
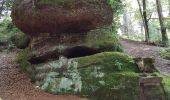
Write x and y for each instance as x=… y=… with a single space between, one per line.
x=15 y=85
x=141 y=49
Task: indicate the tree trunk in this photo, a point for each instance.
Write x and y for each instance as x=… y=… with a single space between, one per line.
x=144 y=19
x=162 y=25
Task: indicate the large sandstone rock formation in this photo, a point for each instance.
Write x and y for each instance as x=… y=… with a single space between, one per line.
x=61 y=16
x=64 y=27
x=77 y=29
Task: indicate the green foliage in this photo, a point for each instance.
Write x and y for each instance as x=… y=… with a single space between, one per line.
x=119 y=65
x=22 y=59
x=135 y=37
x=20 y=40
x=166 y=81
x=7 y=29
x=117 y=8
x=155 y=34
x=9 y=33
x=104 y=39
x=165 y=53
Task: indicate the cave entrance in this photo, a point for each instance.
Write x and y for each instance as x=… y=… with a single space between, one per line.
x=80 y=51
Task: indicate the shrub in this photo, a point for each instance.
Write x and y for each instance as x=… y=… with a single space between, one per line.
x=166 y=54
x=20 y=40
x=22 y=59
x=12 y=35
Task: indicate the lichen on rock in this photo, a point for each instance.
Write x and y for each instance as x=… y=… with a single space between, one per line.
x=99 y=77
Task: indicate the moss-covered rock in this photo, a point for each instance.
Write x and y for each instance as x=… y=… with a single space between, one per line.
x=103 y=76
x=166 y=85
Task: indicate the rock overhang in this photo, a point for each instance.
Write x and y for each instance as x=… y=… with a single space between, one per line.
x=40 y=16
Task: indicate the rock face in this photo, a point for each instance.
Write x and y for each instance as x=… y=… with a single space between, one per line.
x=72 y=28
x=61 y=16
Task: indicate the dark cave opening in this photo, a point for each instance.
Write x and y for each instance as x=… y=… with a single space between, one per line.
x=36 y=60
x=80 y=51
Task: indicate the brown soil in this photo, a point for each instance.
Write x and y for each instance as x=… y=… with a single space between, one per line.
x=15 y=85
x=141 y=49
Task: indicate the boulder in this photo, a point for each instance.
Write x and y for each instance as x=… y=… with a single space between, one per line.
x=102 y=76
x=72 y=28
x=60 y=16
x=145 y=64
x=98 y=76
x=150 y=81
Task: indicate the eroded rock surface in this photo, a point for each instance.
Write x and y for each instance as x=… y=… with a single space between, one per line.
x=61 y=16
x=65 y=27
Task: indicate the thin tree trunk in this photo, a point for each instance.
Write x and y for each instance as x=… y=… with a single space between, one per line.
x=143 y=20
x=162 y=25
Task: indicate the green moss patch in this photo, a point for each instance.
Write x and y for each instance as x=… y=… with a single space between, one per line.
x=121 y=86
x=166 y=54
x=115 y=60
x=166 y=85
x=104 y=75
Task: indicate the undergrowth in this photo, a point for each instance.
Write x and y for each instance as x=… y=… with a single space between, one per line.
x=22 y=59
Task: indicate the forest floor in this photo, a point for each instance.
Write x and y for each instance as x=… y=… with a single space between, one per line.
x=15 y=85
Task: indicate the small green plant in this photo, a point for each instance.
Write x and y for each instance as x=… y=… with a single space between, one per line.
x=22 y=59
x=118 y=65
x=10 y=46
